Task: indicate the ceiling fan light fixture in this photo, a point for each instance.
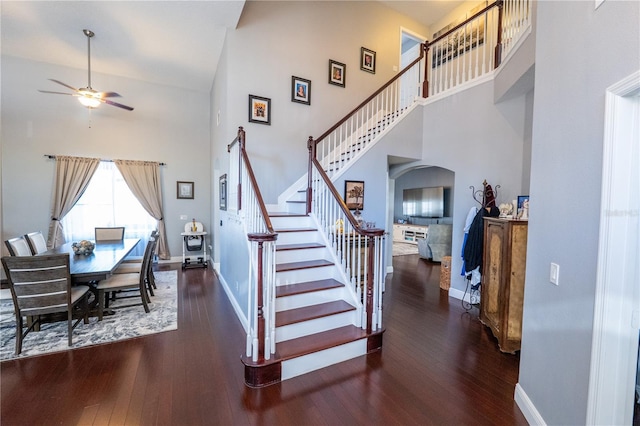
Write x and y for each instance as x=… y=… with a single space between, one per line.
x=89 y=102
x=89 y=97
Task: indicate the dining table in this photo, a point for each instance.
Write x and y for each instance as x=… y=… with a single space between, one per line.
x=105 y=258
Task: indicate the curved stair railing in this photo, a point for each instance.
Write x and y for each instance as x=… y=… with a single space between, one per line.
x=260 y=341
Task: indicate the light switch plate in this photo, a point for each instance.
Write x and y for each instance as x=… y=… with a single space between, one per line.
x=554 y=273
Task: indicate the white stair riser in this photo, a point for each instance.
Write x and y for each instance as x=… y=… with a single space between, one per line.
x=304 y=275
x=312 y=298
x=297 y=208
x=288 y=256
x=293 y=331
x=298 y=237
x=317 y=360
x=291 y=222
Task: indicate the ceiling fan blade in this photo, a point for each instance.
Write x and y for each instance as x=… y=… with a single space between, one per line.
x=109 y=95
x=56 y=93
x=64 y=84
x=106 y=101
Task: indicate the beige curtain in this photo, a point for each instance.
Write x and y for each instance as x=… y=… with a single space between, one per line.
x=143 y=178
x=72 y=177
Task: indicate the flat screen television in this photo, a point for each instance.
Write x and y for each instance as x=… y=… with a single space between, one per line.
x=423 y=202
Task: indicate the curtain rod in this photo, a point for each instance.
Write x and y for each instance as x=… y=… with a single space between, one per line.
x=53 y=157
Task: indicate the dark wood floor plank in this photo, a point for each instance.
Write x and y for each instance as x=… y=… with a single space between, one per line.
x=438 y=365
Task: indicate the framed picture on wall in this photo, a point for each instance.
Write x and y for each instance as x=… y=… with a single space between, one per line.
x=354 y=194
x=367 y=60
x=259 y=110
x=337 y=73
x=185 y=190
x=300 y=90
x=223 y=192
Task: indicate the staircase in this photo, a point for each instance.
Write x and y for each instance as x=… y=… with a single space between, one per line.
x=316 y=275
x=317 y=316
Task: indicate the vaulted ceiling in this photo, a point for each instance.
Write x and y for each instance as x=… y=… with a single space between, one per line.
x=174 y=43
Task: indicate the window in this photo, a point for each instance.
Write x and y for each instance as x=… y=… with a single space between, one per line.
x=108 y=201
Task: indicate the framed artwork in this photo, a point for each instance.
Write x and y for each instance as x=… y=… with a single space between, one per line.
x=223 y=192
x=300 y=90
x=367 y=60
x=337 y=73
x=259 y=110
x=522 y=199
x=185 y=190
x=354 y=194
x=460 y=41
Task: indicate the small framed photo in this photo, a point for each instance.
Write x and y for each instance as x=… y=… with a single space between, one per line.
x=185 y=190
x=259 y=110
x=354 y=194
x=300 y=90
x=367 y=60
x=337 y=73
x=523 y=201
x=223 y=192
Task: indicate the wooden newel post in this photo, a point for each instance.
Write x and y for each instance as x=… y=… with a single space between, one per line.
x=241 y=136
x=371 y=235
x=425 y=83
x=498 y=49
x=311 y=146
x=261 y=239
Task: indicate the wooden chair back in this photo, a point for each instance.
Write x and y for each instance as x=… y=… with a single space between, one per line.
x=18 y=246
x=109 y=234
x=36 y=242
x=41 y=285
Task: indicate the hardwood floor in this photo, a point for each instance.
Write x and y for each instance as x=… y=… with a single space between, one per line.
x=438 y=366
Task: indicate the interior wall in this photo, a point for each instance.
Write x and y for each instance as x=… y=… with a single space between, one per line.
x=566 y=164
x=276 y=40
x=168 y=125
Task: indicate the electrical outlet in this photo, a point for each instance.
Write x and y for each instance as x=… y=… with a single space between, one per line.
x=554 y=273
x=183 y=217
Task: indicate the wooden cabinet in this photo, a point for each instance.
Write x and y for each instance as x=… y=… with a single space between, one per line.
x=503 y=270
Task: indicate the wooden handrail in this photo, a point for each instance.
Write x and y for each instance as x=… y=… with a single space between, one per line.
x=376 y=93
x=240 y=139
x=369 y=232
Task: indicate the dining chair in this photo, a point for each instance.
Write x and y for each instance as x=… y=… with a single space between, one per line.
x=136 y=268
x=18 y=246
x=109 y=234
x=136 y=282
x=41 y=285
x=36 y=242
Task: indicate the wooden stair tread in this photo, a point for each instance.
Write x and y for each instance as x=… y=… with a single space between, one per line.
x=291 y=266
x=319 y=341
x=307 y=287
x=299 y=246
x=295 y=230
x=287 y=214
x=313 y=343
x=306 y=313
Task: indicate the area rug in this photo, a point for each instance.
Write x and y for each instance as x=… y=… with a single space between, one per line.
x=401 y=249
x=125 y=323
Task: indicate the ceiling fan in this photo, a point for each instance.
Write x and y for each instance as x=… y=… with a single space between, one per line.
x=86 y=95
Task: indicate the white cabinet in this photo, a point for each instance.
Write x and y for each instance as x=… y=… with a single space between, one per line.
x=409 y=233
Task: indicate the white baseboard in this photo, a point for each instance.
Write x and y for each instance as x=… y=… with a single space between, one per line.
x=526 y=406
x=234 y=302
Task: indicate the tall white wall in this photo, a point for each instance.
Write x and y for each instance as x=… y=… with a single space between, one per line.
x=566 y=164
x=274 y=41
x=168 y=125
